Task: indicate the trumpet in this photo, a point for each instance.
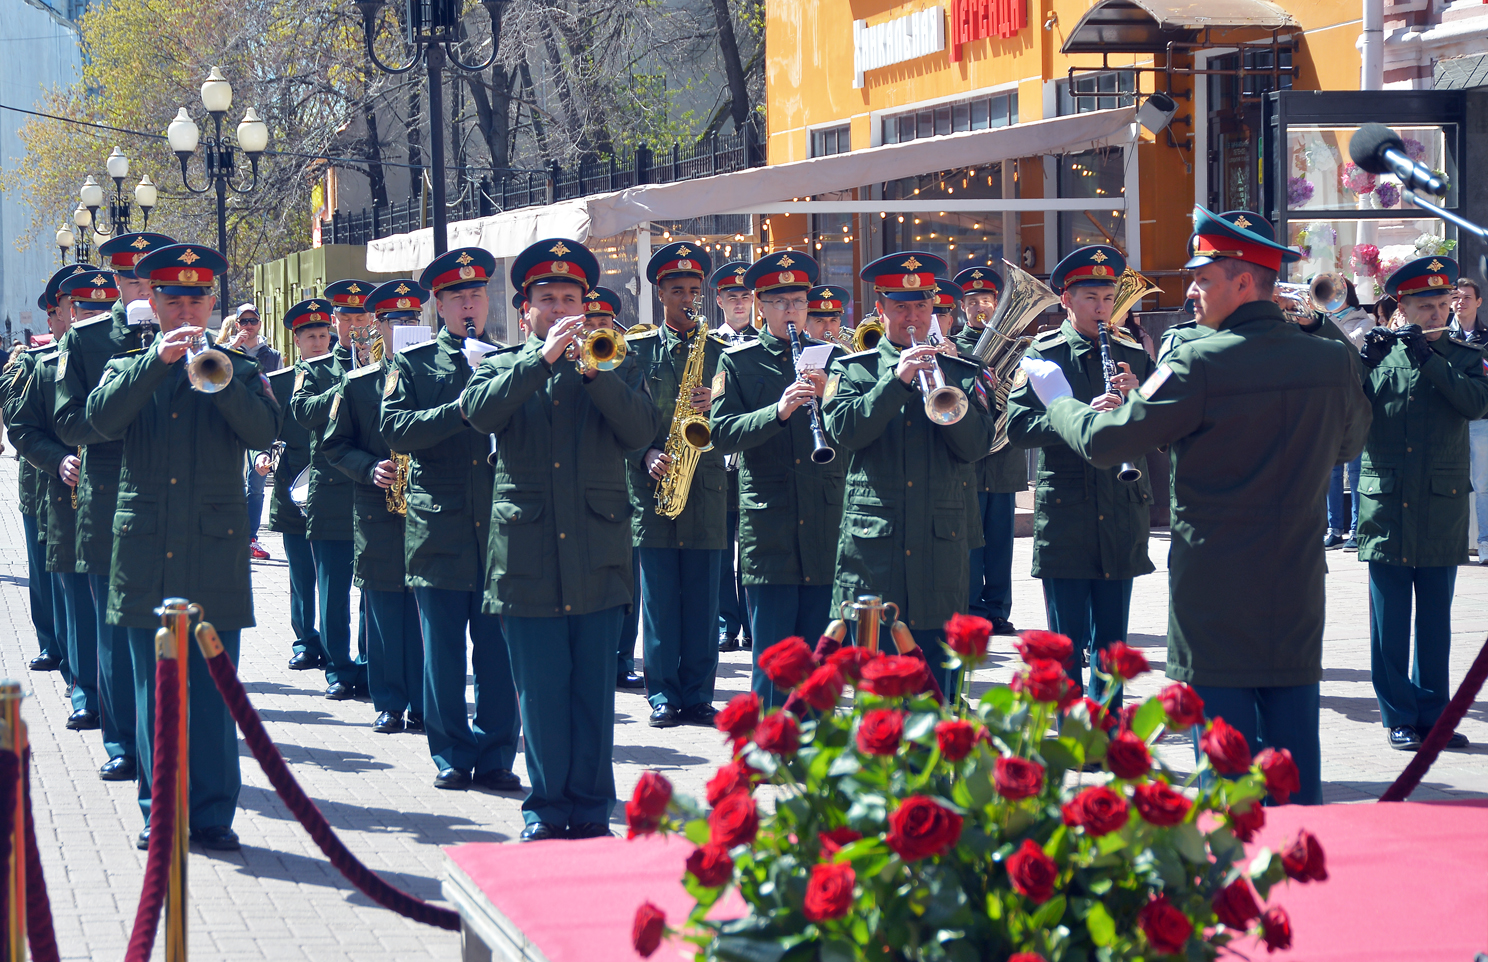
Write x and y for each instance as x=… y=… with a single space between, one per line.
x=1327 y=293
x=868 y=333
x=208 y=369
x=944 y=403
x=602 y=350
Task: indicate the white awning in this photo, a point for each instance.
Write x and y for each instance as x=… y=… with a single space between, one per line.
x=605 y=215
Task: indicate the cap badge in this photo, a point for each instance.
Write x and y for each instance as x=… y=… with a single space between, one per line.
x=355 y=289
x=1242 y=222
x=99 y=293
x=911 y=264
x=1435 y=265
x=912 y=281
x=464 y=258
x=402 y=289
x=595 y=306
x=404 y=303
x=99 y=279
x=784 y=260
x=828 y=295
x=786 y=277
x=1436 y=280
x=140 y=243
x=466 y=273
x=1100 y=271
x=559 y=248
x=684 y=265
x=1099 y=257
x=189 y=257
x=683 y=251
x=560 y=267
x=976 y=273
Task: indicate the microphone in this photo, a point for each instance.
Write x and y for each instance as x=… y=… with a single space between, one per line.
x=1379 y=150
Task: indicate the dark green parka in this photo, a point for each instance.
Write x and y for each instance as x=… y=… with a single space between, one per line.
x=317 y=383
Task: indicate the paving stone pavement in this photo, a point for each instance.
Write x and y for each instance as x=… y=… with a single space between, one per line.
x=279 y=899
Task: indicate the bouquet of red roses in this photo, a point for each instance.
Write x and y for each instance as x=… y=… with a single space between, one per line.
x=1034 y=825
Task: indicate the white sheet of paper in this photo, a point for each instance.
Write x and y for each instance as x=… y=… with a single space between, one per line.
x=936 y=336
x=814 y=358
x=407 y=335
x=474 y=350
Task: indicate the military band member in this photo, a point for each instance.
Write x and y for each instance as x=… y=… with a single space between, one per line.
x=736 y=302
x=1249 y=498
x=1425 y=388
x=946 y=299
x=997 y=478
x=792 y=507
x=1090 y=527
x=560 y=574
x=824 y=308
x=680 y=557
x=1189 y=329
x=447 y=531
x=353 y=444
x=181 y=527
x=285 y=516
x=904 y=534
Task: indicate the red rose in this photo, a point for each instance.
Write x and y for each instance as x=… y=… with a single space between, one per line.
x=733 y=821
x=1127 y=715
x=880 y=731
x=823 y=688
x=1123 y=661
x=739 y=716
x=646 y=931
x=921 y=827
x=1184 y=706
x=1044 y=646
x=1235 y=905
x=955 y=738
x=1043 y=681
x=1026 y=957
x=733 y=777
x=787 y=662
x=1303 y=859
x=779 y=733
x=1227 y=749
x=1160 y=805
x=893 y=676
x=647 y=804
x=710 y=865
x=967 y=635
x=1032 y=873
x=1282 y=777
x=1244 y=823
x=1099 y=716
x=850 y=661
x=833 y=840
x=829 y=894
x=1127 y=756
x=1276 y=929
x=1016 y=778
x=1166 y=928
x=1098 y=810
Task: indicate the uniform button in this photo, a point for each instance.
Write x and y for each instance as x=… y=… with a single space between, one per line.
x=909 y=484
x=1108 y=574
x=1405 y=504
x=557 y=465
x=1100 y=517
x=803 y=520
x=174 y=415
x=170 y=554
x=561 y=536
x=906 y=552
x=679 y=544
x=1059 y=501
x=808 y=577
x=911 y=622
x=568 y=607
x=477 y=524
x=229 y=531
x=173 y=480
x=906 y=424
x=475 y=462
x=798 y=460
x=1407 y=450
x=555 y=404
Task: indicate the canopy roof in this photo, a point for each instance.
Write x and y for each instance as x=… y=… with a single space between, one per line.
x=1148 y=26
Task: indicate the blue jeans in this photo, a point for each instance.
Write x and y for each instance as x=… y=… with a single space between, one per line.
x=1335 y=496
x=255 y=501
x=1477 y=436
x=1273 y=718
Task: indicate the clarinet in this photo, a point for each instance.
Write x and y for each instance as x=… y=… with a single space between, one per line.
x=1127 y=471
x=822 y=452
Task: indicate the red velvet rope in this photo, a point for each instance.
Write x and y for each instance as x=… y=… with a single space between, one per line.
x=10 y=783
x=162 y=810
x=304 y=809
x=1441 y=731
x=38 y=906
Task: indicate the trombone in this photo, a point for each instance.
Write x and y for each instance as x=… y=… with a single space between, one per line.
x=1327 y=293
x=944 y=403
x=208 y=369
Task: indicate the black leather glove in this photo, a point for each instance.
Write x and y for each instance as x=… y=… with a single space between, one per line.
x=1377 y=344
x=1415 y=343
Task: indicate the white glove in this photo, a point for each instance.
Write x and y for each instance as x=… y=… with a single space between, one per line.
x=1048 y=381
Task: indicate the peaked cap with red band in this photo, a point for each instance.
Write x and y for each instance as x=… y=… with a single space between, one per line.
x=906 y=276
x=183 y=269
x=557 y=260
x=124 y=251
x=458 y=269
x=54 y=283
x=601 y=301
x=397 y=299
x=1424 y=276
x=1087 y=266
x=979 y=280
x=349 y=295
x=826 y=300
x=782 y=271
x=1237 y=235
x=947 y=295
x=688 y=260
x=730 y=276
x=95 y=288
x=315 y=312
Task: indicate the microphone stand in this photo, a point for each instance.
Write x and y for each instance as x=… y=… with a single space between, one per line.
x=1451 y=217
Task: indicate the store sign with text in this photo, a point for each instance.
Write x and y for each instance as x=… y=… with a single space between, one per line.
x=979 y=19
x=895 y=41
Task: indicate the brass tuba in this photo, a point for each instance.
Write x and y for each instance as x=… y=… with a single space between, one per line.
x=868 y=333
x=1002 y=344
x=690 y=434
x=397 y=492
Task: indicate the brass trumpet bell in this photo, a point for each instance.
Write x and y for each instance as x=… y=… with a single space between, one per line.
x=867 y=334
x=603 y=350
x=208 y=369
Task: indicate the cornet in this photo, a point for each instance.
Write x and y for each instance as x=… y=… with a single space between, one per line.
x=601 y=349
x=1325 y=294
x=208 y=369
x=944 y=403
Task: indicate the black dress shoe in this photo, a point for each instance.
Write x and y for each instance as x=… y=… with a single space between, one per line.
x=664 y=716
x=540 y=832
x=1458 y=740
x=746 y=643
x=304 y=661
x=589 y=830
x=1404 y=738
x=83 y=720
x=120 y=769
x=388 y=723
x=1001 y=626
x=340 y=691
x=47 y=662
x=415 y=723
x=216 y=838
x=452 y=779
x=699 y=714
x=629 y=679
x=142 y=840
x=727 y=643
x=360 y=690
x=499 y=780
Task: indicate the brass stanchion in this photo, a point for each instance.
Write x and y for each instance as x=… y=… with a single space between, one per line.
x=869 y=611
x=172 y=641
x=13 y=739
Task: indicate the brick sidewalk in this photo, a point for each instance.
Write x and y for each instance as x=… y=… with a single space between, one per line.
x=279 y=899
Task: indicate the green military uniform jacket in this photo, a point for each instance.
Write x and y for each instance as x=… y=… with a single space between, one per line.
x=33 y=429
x=284 y=515
x=317 y=383
x=904 y=524
x=1005 y=472
x=17 y=374
x=1257 y=414
x=181 y=528
x=449 y=480
x=353 y=444
x=87 y=348
x=790 y=509
x=1180 y=333
x=560 y=512
x=1413 y=482
x=661 y=356
x=1086 y=523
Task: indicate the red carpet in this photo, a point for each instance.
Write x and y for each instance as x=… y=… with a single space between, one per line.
x=1407 y=881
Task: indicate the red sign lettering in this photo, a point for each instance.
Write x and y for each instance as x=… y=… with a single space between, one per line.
x=977 y=19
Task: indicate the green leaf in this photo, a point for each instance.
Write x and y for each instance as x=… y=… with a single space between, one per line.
x=979 y=788
x=961 y=794
x=762 y=762
x=994 y=906
x=1110 y=842
x=920 y=726
x=1000 y=698
x=696 y=831
x=835 y=950
x=741 y=948
x=862 y=848
x=1190 y=843
x=1049 y=913
x=1102 y=927
x=1060 y=752
x=845 y=764
x=1148 y=717
x=1226 y=847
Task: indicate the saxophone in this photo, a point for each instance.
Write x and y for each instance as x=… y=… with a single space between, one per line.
x=690 y=435
x=397 y=492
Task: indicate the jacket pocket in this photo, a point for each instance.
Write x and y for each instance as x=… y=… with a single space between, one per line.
x=432 y=524
x=865 y=552
x=948 y=548
x=1061 y=493
x=1451 y=486
x=517 y=550
x=609 y=528
x=227 y=520
x=1376 y=484
x=137 y=556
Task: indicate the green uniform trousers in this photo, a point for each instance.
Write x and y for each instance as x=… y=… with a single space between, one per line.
x=302 y=607
x=115 y=675
x=1281 y=717
x=81 y=620
x=1411 y=691
x=1092 y=614
x=679 y=615
x=395 y=651
x=780 y=611
x=39 y=587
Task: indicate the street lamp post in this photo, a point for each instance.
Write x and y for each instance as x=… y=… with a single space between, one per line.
x=433 y=32
x=64 y=242
x=119 y=209
x=83 y=218
x=218 y=156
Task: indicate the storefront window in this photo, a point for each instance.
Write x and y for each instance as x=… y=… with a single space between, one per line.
x=833 y=246
x=1367 y=251
x=1092 y=174
x=833 y=140
x=977 y=113
x=1321 y=177
x=1120 y=85
x=963 y=238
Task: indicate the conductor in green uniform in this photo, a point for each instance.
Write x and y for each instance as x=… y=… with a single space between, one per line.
x=1426 y=387
x=1256 y=414
x=904 y=524
x=560 y=574
x=287 y=517
x=354 y=446
x=181 y=527
x=446 y=533
x=1090 y=527
x=790 y=494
